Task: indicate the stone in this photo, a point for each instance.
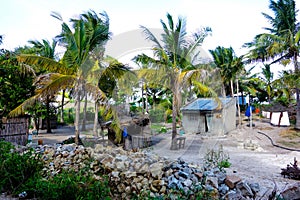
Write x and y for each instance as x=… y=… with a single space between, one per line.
x=172 y=183
x=188 y=182
x=158 y=183
x=163 y=189
x=292 y=192
x=233 y=195
x=106 y=160
x=212 y=181
x=143 y=169
x=129 y=174
x=223 y=189
x=168 y=172
x=221 y=177
x=121 y=158
x=244 y=189
x=183 y=174
x=128 y=190
x=120 y=166
x=121 y=188
x=232 y=180
x=152 y=188
x=254 y=187
x=156 y=170
x=199 y=175
x=187 y=170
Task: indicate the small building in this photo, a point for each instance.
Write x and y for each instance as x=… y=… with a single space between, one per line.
x=207 y=116
x=278 y=114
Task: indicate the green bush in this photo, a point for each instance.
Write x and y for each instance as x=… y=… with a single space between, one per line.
x=156 y=115
x=216 y=158
x=69 y=185
x=16 y=168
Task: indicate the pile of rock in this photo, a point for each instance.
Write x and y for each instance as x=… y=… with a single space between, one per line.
x=136 y=173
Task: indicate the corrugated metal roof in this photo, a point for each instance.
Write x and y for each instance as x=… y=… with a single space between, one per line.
x=205 y=104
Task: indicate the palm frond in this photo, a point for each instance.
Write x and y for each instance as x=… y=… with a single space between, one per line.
x=150 y=36
x=46 y=63
x=23 y=107
x=50 y=84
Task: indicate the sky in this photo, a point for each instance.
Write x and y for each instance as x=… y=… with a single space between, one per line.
x=233 y=22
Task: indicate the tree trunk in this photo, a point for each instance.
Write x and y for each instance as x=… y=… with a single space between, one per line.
x=48 y=120
x=62 y=107
x=77 y=112
x=83 y=127
x=174 y=131
x=297 y=126
x=231 y=86
x=143 y=101
x=297 y=71
x=146 y=100
x=238 y=102
x=95 y=133
x=223 y=90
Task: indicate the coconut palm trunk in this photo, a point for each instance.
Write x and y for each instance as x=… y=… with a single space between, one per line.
x=62 y=107
x=231 y=86
x=297 y=72
x=77 y=111
x=95 y=132
x=238 y=102
x=83 y=127
x=48 y=117
x=174 y=115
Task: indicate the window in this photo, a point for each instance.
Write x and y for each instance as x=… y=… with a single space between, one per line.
x=193 y=117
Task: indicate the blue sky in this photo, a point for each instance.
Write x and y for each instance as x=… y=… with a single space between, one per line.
x=233 y=22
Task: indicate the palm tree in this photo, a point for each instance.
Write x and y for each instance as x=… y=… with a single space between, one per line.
x=45 y=49
x=268 y=77
x=282 y=42
x=228 y=64
x=173 y=64
x=90 y=33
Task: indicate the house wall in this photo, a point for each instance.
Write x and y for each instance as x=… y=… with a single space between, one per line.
x=191 y=121
x=229 y=113
x=221 y=122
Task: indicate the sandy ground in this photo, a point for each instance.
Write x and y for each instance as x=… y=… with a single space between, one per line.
x=251 y=154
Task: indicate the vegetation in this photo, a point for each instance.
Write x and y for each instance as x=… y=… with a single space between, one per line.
x=281 y=43
x=16 y=169
x=22 y=172
x=32 y=76
x=216 y=158
x=175 y=64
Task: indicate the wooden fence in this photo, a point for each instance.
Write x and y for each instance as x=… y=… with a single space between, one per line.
x=15 y=130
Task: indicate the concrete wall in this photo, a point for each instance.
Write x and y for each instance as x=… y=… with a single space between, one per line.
x=220 y=122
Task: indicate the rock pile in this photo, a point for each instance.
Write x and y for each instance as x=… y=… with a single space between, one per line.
x=135 y=173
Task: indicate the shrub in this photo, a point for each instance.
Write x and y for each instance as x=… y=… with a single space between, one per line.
x=69 y=185
x=17 y=168
x=216 y=158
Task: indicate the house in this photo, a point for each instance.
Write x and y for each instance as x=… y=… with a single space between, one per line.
x=206 y=116
x=278 y=114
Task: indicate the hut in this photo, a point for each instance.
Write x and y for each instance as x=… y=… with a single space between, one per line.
x=207 y=116
x=278 y=114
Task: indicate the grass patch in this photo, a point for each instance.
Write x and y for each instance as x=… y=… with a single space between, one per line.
x=265 y=128
x=289 y=138
x=290 y=134
x=292 y=144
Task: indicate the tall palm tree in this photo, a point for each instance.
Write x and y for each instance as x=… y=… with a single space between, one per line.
x=282 y=42
x=268 y=77
x=45 y=49
x=228 y=64
x=173 y=64
x=88 y=33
